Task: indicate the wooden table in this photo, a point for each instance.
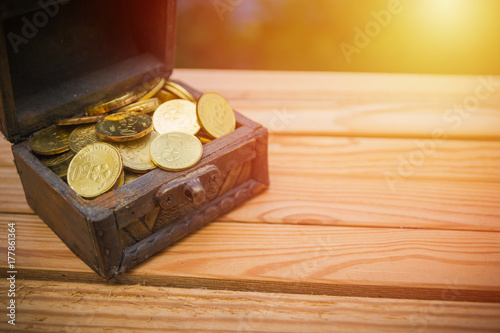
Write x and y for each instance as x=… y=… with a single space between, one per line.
x=383 y=215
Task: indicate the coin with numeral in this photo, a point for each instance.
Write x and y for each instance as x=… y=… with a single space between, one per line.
x=95 y=169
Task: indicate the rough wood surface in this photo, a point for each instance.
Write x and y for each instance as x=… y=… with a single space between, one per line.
x=6 y=159
x=365 y=201
x=12 y=195
x=361 y=182
x=361 y=104
x=80 y=307
x=397 y=263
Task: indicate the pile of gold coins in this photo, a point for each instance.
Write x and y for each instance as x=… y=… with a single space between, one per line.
x=158 y=124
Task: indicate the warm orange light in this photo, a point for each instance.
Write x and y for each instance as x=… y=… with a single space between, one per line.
x=437 y=35
x=417 y=36
x=449 y=15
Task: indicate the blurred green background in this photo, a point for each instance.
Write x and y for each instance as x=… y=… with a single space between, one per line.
x=408 y=36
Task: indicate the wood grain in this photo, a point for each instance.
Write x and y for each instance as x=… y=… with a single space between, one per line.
x=12 y=197
x=396 y=263
x=309 y=199
x=381 y=158
x=370 y=157
x=6 y=158
x=360 y=104
x=393 y=231
x=327 y=200
x=70 y=307
x=361 y=182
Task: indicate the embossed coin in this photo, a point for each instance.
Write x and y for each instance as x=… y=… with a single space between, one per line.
x=176 y=151
x=147 y=106
x=135 y=154
x=165 y=96
x=148 y=89
x=58 y=163
x=176 y=116
x=179 y=90
x=215 y=114
x=83 y=136
x=124 y=126
x=51 y=140
x=79 y=120
x=95 y=170
x=113 y=104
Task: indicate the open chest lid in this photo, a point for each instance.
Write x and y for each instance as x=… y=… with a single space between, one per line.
x=58 y=57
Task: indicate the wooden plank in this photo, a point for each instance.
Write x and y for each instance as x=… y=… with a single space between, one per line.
x=36 y=242
x=247 y=82
x=360 y=104
x=6 y=158
x=394 y=263
x=374 y=157
x=361 y=182
x=60 y=306
x=327 y=200
x=381 y=158
x=374 y=262
x=12 y=198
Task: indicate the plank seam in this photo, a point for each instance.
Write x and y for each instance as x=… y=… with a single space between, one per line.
x=292 y=287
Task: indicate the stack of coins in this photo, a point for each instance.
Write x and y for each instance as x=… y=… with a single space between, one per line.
x=157 y=124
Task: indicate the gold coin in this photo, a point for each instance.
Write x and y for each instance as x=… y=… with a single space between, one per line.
x=176 y=151
x=111 y=105
x=176 y=93
x=61 y=172
x=176 y=116
x=83 y=136
x=95 y=170
x=58 y=163
x=79 y=120
x=147 y=106
x=51 y=140
x=124 y=126
x=120 y=181
x=148 y=89
x=131 y=176
x=215 y=114
x=180 y=91
x=203 y=136
x=165 y=96
x=135 y=154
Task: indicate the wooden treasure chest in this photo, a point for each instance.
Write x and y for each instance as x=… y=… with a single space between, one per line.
x=60 y=57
